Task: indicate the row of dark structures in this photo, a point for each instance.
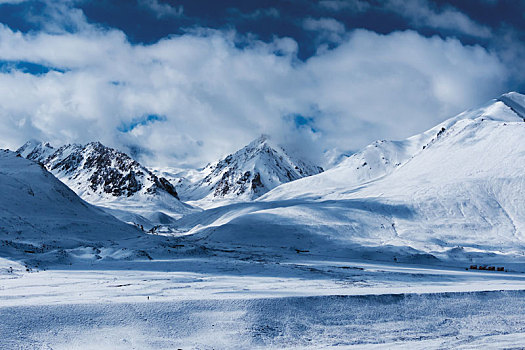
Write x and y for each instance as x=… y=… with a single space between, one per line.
x=487 y=268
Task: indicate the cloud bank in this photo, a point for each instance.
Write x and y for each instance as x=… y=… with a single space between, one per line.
x=189 y=99
x=421 y=13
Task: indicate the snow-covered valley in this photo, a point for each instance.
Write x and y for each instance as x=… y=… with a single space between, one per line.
x=415 y=243
x=227 y=302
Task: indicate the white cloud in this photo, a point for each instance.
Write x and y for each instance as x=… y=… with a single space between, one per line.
x=161 y=9
x=339 y=5
x=399 y=84
x=328 y=29
x=324 y=24
x=216 y=96
x=11 y=1
x=270 y=12
x=423 y=14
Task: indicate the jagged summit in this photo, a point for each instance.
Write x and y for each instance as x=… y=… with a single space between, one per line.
x=261 y=140
x=245 y=175
x=36 y=150
x=109 y=178
x=97 y=170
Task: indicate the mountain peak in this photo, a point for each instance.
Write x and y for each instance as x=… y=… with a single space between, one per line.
x=31 y=143
x=97 y=145
x=35 y=150
x=511 y=94
x=261 y=139
x=247 y=173
x=94 y=170
x=113 y=180
x=514 y=101
x=259 y=143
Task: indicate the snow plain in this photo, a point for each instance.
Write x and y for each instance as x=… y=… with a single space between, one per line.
x=225 y=302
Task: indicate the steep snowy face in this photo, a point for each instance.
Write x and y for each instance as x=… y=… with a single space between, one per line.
x=246 y=174
x=383 y=157
x=95 y=170
x=514 y=101
x=36 y=208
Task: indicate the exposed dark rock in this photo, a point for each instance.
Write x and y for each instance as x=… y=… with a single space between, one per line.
x=108 y=170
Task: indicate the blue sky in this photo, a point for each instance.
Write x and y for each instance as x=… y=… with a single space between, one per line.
x=216 y=74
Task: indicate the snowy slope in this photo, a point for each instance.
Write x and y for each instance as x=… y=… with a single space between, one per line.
x=111 y=179
x=383 y=157
x=242 y=176
x=38 y=213
x=455 y=191
x=224 y=298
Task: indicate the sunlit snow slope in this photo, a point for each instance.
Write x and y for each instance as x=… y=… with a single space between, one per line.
x=455 y=191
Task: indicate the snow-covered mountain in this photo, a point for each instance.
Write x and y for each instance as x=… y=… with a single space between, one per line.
x=242 y=176
x=36 y=150
x=455 y=191
x=39 y=214
x=111 y=179
x=382 y=157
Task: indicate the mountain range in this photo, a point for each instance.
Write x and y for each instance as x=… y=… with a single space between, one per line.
x=453 y=192
x=122 y=186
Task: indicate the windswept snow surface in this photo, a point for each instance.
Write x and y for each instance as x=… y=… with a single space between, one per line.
x=216 y=302
x=442 y=321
